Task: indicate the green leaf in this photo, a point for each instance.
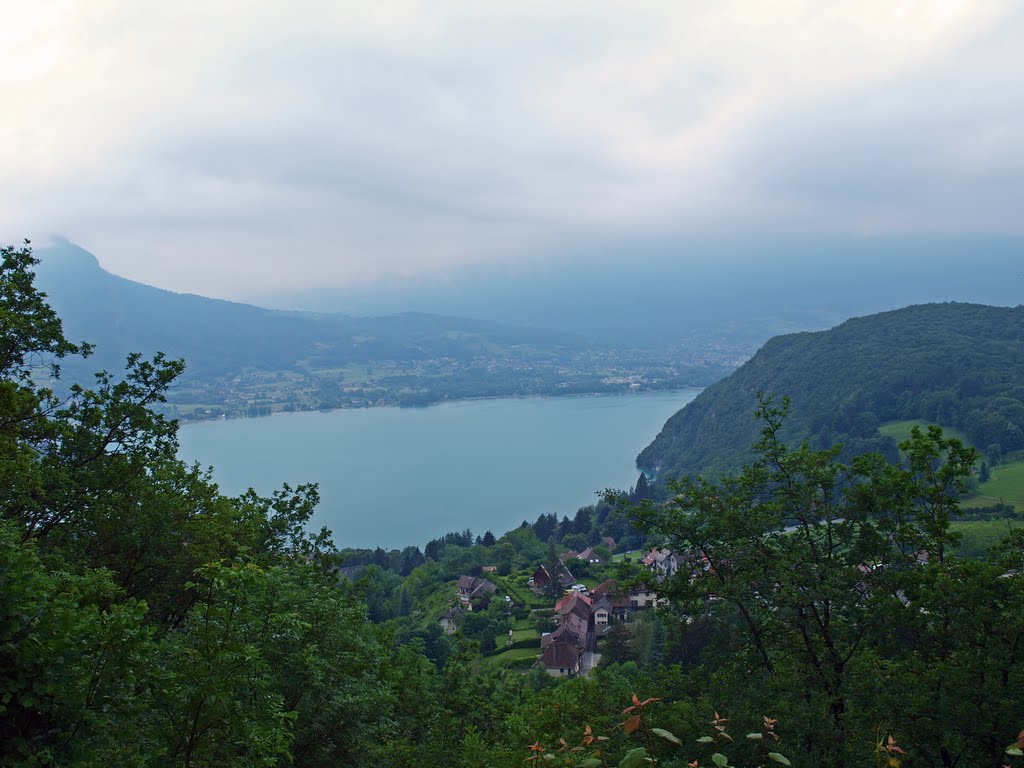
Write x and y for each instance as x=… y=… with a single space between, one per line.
x=1014 y=751
x=720 y=760
x=754 y=736
x=779 y=758
x=705 y=740
x=591 y=762
x=634 y=758
x=666 y=735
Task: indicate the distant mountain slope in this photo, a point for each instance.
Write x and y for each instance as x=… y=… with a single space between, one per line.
x=705 y=292
x=243 y=360
x=221 y=337
x=960 y=365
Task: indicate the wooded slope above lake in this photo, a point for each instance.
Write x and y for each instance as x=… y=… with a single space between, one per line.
x=958 y=365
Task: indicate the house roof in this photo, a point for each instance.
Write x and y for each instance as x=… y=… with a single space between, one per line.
x=475 y=585
x=564 y=576
x=484 y=585
x=569 y=600
x=580 y=609
x=577 y=626
x=564 y=634
x=603 y=603
x=454 y=612
x=560 y=656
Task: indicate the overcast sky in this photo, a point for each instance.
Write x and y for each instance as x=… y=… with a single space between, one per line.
x=238 y=148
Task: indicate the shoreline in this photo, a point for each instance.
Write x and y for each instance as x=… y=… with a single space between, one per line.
x=184 y=421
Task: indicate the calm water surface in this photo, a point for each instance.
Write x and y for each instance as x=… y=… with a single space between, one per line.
x=391 y=477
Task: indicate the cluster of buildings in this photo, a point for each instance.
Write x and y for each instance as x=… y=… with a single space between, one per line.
x=585 y=617
x=588 y=555
x=569 y=649
x=581 y=617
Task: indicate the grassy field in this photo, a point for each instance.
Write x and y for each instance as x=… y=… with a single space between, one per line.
x=503 y=659
x=509 y=585
x=436 y=603
x=635 y=554
x=524 y=634
x=980 y=535
x=986 y=501
x=900 y=430
x=1006 y=482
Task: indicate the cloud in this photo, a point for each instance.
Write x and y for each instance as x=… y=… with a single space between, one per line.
x=234 y=148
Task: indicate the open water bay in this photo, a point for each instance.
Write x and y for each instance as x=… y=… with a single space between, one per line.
x=391 y=477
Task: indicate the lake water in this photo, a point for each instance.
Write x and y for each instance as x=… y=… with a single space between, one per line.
x=391 y=477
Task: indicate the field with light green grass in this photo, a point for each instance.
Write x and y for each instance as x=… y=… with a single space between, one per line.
x=430 y=608
x=520 y=593
x=978 y=536
x=1005 y=485
x=507 y=657
x=900 y=430
x=1006 y=482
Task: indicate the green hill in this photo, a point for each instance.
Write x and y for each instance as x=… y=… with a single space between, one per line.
x=958 y=365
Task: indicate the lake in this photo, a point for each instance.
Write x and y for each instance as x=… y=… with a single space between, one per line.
x=391 y=477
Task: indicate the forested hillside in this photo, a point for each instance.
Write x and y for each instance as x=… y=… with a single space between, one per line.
x=958 y=365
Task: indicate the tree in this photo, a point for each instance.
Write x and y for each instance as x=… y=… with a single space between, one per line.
x=797 y=551
x=504 y=557
x=31 y=334
x=545 y=526
x=434 y=549
x=983 y=473
x=74 y=665
x=488 y=539
x=642 y=489
x=487 y=643
x=584 y=520
x=654 y=649
x=145 y=618
x=411 y=558
x=553 y=589
x=616 y=646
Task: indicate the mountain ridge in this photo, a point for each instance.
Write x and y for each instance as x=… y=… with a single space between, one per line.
x=957 y=364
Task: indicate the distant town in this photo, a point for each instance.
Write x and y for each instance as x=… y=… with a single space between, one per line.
x=424 y=382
